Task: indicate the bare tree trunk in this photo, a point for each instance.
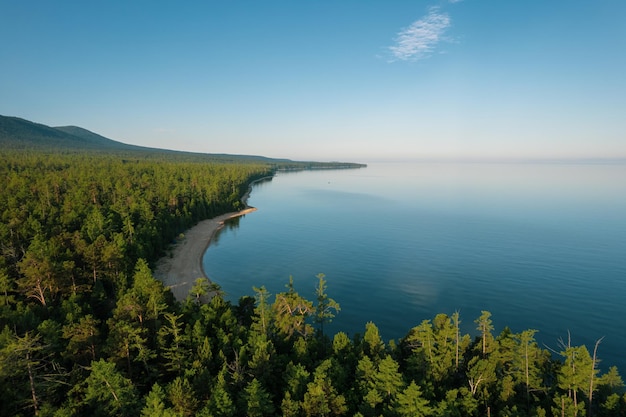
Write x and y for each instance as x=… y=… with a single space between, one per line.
x=455 y=317
x=574 y=396
x=527 y=376
x=593 y=368
x=111 y=389
x=32 y=384
x=484 y=344
x=127 y=347
x=39 y=293
x=92 y=347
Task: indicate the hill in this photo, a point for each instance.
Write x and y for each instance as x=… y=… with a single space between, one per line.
x=17 y=133
x=21 y=135
x=90 y=138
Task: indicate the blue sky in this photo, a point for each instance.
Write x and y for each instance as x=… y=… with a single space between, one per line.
x=328 y=80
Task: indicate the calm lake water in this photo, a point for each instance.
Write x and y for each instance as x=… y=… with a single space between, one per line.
x=541 y=246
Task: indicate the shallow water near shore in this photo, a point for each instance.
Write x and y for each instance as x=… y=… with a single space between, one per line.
x=539 y=245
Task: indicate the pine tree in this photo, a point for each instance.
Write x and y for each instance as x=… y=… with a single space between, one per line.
x=107 y=392
x=324 y=310
x=82 y=338
x=221 y=403
x=485 y=326
x=155 y=404
x=291 y=312
x=411 y=403
x=373 y=345
x=258 y=402
x=262 y=312
x=182 y=396
x=173 y=344
x=321 y=397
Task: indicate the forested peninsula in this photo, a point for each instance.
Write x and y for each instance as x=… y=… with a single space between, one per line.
x=86 y=329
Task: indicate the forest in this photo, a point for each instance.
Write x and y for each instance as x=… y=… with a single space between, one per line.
x=86 y=329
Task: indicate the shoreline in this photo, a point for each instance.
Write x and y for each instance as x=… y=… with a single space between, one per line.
x=179 y=269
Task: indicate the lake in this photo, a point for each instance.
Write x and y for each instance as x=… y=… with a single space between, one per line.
x=539 y=245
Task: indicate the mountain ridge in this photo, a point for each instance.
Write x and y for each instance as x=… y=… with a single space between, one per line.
x=18 y=134
x=21 y=134
x=91 y=137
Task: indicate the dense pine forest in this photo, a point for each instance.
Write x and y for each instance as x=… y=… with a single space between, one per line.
x=85 y=328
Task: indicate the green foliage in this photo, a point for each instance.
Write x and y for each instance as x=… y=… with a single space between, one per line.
x=484 y=326
x=326 y=307
x=173 y=344
x=373 y=345
x=291 y=313
x=411 y=402
x=108 y=392
x=82 y=338
x=155 y=404
x=262 y=311
x=182 y=396
x=200 y=289
x=257 y=400
x=321 y=397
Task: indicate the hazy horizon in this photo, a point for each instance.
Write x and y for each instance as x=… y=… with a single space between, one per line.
x=350 y=81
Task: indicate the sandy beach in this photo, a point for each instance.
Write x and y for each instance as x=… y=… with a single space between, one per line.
x=180 y=269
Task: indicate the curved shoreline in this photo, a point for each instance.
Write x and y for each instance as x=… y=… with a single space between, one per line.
x=179 y=270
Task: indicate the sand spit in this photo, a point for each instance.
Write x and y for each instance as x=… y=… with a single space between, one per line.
x=180 y=269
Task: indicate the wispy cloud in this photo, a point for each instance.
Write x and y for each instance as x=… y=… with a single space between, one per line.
x=419 y=40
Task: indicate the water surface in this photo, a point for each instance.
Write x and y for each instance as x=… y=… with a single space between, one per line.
x=540 y=246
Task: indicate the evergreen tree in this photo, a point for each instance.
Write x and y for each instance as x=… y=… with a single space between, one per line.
x=257 y=400
x=173 y=346
x=262 y=319
x=221 y=402
x=200 y=289
x=574 y=377
x=296 y=378
x=182 y=397
x=373 y=345
x=321 y=397
x=82 y=338
x=155 y=404
x=107 y=392
x=411 y=403
x=290 y=407
x=485 y=326
x=291 y=312
x=325 y=305
x=40 y=270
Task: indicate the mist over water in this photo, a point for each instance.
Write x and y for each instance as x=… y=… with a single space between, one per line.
x=540 y=246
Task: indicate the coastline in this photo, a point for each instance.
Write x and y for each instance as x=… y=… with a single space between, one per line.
x=179 y=270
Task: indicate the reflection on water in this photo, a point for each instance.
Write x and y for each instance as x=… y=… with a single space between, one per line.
x=230 y=225
x=420 y=293
x=539 y=245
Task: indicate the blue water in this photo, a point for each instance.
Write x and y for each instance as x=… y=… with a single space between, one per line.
x=541 y=246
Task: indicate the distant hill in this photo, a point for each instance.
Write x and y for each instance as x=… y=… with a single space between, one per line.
x=19 y=134
x=16 y=133
x=91 y=138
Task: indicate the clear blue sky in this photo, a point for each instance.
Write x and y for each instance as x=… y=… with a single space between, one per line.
x=329 y=79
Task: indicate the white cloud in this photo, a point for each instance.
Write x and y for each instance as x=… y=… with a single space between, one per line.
x=420 y=39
